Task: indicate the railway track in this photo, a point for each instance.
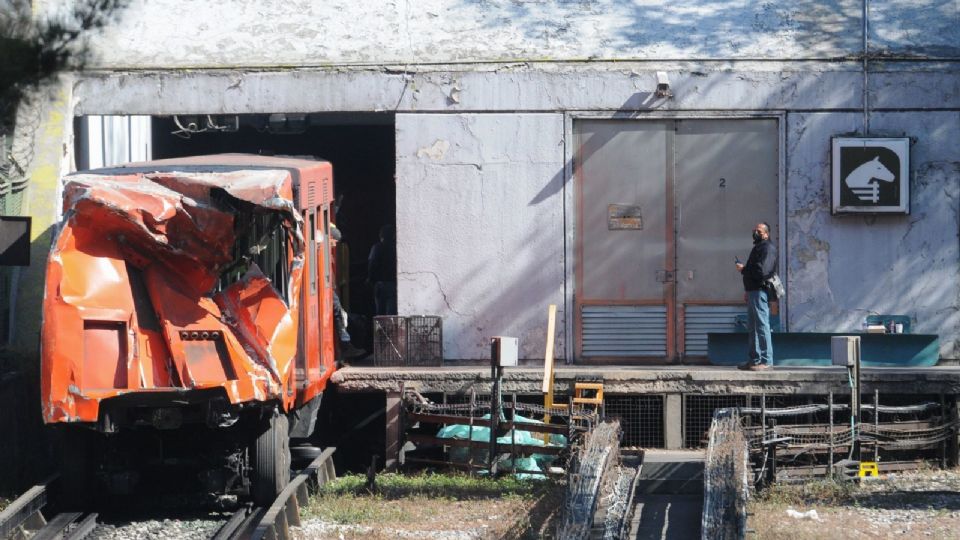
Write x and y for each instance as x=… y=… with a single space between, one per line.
x=26 y=519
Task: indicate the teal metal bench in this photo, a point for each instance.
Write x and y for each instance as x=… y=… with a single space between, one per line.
x=813 y=349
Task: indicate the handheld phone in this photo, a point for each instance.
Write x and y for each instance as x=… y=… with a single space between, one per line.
x=736 y=259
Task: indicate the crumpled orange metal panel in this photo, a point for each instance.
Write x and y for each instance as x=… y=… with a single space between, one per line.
x=130 y=302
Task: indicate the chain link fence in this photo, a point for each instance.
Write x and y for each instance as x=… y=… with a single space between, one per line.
x=725 y=479
x=594 y=471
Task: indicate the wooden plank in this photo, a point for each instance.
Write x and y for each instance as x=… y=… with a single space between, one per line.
x=547 y=387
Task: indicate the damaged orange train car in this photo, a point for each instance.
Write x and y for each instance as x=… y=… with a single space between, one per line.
x=188 y=320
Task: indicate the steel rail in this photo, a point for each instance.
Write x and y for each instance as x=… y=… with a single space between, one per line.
x=83 y=529
x=57 y=527
x=25 y=510
x=241 y=520
x=285 y=510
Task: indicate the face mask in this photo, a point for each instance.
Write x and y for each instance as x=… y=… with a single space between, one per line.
x=756 y=237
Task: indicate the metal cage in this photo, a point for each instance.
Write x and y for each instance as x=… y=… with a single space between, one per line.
x=415 y=340
x=641 y=419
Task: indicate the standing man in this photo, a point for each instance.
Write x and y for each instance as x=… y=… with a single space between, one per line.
x=382 y=272
x=761 y=265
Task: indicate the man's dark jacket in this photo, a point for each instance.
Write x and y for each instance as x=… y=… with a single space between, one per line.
x=761 y=264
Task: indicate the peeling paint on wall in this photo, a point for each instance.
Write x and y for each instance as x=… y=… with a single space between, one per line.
x=435 y=151
x=481 y=246
x=843 y=268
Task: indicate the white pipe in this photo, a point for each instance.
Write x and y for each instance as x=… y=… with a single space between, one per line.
x=866 y=92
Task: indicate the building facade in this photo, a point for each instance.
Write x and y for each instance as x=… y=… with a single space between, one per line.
x=609 y=157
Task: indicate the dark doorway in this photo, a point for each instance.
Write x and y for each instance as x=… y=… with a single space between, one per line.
x=359 y=145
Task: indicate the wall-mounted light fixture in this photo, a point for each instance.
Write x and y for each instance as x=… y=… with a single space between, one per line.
x=663 y=85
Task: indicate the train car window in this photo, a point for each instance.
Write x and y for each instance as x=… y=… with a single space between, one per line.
x=261 y=240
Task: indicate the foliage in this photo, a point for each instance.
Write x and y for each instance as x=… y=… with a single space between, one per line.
x=828 y=492
x=33 y=50
x=503 y=507
x=455 y=486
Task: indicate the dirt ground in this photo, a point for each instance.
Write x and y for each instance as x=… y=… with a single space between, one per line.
x=923 y=504
x=416 y=513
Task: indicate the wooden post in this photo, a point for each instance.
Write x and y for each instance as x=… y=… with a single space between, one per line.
x=547 y=386
x=548 y=357
x=392 y=446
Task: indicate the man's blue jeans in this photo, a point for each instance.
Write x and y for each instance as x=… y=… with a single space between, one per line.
x=760 y=343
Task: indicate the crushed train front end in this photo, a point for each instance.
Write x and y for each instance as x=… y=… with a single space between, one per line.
x=189 y=300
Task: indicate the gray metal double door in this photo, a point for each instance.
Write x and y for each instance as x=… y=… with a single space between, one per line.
x=663 y=208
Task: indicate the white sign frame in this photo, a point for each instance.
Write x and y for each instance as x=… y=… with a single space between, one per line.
x=900 y=146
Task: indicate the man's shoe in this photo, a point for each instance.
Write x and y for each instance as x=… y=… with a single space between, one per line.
x=759 y=367
x=746 y=366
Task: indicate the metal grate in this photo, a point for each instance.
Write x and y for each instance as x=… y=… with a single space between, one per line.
x=641 y=419
x=425 y=340
x=698 y=415
x=389 y=340
x=407 y=341
x=624 y=330
x=698 y=321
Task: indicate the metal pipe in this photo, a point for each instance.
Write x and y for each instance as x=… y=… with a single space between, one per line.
x=866 y=78
x=830 y=463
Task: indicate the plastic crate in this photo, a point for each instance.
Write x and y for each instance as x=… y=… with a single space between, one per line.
x=415 y=340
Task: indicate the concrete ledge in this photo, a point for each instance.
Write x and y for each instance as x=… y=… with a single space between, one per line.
x=655 y=380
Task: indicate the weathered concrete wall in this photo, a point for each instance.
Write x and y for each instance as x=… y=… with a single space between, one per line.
x=611 y=86
x=481 y=86
x=626 y=87
x=44 y=116
x=480 y=226
x=158 y=33
x=842 y=268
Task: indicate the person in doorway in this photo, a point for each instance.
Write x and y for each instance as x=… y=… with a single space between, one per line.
x=382 y=272
x=345 y=350
x=760 y=266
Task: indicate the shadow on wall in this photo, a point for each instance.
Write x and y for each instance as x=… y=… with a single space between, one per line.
x=805 y=28
x=851 y=266
x=914 y=273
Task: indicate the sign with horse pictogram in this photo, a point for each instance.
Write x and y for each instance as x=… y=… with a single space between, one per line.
x=871 y=175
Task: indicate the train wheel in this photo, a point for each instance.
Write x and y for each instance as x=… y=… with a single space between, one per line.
x=271 y=460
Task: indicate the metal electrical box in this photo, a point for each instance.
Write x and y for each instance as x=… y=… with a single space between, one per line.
x=845 y=350
x=504 y=351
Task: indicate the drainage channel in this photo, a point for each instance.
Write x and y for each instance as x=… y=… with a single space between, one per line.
x=668 y=501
